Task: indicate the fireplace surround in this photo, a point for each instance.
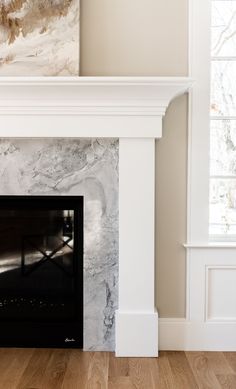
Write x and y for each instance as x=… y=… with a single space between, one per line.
x=128 y=108
x=68 y=168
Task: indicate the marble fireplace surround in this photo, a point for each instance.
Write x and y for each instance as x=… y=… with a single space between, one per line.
x=128 y=108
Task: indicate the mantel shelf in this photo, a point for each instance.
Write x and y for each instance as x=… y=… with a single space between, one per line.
x=86 y=106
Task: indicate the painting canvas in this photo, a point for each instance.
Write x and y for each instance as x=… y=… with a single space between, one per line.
x=39 y=37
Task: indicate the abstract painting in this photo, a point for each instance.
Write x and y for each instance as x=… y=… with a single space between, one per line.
x=39 y=37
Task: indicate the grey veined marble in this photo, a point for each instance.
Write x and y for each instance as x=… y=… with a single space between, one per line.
x=87 y=167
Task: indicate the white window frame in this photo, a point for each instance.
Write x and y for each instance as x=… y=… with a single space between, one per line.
x=229 y=237
x=199 y=127
x=199 y=134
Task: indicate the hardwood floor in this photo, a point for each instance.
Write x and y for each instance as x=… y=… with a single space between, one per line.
x=74 y=369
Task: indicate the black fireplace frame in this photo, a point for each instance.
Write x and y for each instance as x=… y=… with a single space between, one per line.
x=60 y=334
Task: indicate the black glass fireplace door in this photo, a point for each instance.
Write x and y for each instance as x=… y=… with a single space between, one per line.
x=41 y=271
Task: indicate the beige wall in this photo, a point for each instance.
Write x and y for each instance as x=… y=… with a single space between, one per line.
x=150 y=37
x=171 y=177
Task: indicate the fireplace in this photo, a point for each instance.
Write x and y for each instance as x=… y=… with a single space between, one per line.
x=115 y=122
x=41 y=271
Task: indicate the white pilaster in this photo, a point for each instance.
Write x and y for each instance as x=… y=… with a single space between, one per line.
x=136 y=318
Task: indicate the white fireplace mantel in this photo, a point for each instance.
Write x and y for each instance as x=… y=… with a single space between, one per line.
x=86 y=106
x=128 y=108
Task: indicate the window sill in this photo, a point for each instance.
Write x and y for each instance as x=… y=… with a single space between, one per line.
x=211 y=245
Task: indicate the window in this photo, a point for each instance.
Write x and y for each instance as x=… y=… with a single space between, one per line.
x=223 y=120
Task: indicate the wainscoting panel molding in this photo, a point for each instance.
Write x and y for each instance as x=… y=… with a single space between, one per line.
x=220 y=293
x=210 y=323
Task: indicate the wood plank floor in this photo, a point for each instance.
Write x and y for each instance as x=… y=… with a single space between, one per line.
x=74 y=369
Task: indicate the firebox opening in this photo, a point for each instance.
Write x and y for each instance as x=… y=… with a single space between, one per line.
x=41 y=271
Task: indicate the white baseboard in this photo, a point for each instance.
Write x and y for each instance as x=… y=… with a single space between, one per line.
x=186 y=335
x=136 y=334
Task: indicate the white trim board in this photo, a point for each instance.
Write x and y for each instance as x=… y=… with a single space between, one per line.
x=183 y=334
x=198 y=131
x=210 y=245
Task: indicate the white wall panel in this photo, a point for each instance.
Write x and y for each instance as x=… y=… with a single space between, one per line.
x=221 y=293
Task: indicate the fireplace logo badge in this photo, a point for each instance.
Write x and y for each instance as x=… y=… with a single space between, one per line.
x=69 y=340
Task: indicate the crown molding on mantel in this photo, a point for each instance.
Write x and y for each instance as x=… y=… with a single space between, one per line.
x=86 y=106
